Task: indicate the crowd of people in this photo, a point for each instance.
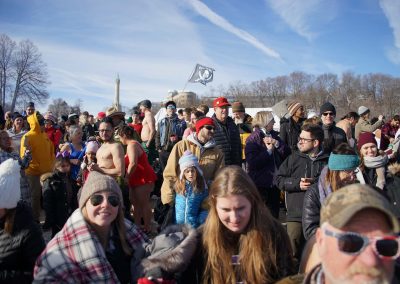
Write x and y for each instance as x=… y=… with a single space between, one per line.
x=236 y=200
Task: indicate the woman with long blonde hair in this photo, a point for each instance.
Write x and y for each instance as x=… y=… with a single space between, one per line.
x=241 y=241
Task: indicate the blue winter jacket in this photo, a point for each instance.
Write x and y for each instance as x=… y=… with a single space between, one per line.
x=188 y=207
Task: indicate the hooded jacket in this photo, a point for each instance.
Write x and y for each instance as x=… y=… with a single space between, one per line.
x=296 y=166
x=41 y=147
x=211 y=159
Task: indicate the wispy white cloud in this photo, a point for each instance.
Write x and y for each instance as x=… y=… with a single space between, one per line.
x=305 y=16
x=221 y=22
x=391 y=9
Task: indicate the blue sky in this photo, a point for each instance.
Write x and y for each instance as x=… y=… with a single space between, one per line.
x=154 y=44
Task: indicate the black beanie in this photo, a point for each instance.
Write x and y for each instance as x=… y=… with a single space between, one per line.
x=327 y=107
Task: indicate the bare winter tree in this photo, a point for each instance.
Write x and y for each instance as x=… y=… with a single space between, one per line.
x=7 y=47
x=59 y=107
x=30 y=74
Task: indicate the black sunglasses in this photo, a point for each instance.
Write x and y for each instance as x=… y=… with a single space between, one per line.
x=328 y=113
x=209 y=127
x=98 y=199
x=353 y=244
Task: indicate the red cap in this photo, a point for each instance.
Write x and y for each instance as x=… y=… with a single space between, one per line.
x=101 y=115
x=203 y=121
x=220 y=102
x=364 y=138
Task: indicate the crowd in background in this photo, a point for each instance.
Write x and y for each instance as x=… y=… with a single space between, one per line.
x=191 y=198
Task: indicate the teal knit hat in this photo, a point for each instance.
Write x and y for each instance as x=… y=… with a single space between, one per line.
x=340 y=162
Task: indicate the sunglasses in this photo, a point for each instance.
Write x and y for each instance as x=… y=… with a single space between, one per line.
x=386 y=247
x=98 y=199
x=209 y=127
x=328 y=113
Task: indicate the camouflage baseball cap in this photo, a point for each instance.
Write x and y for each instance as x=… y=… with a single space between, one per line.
x=342 y=205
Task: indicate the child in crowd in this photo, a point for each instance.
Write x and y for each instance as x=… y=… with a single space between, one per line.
x=191 y=191
x=59 y=194
x=88 y=159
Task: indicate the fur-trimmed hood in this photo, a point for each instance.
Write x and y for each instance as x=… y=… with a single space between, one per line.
x=170 y=252
x=394 y=169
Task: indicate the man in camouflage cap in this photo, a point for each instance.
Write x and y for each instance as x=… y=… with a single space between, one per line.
x=357 y=241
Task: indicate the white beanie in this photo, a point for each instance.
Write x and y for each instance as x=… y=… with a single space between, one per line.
x=188 y=160
x=10 y=184
x=362 y=110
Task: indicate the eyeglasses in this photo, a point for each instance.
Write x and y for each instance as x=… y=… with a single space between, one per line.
x=98 y=199
x=353 y=243
x=301 y=139
x=328 y=113
x=105 y=130
x=209 y=127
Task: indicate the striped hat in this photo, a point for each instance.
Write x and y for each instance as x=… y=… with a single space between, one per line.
x=293 y=107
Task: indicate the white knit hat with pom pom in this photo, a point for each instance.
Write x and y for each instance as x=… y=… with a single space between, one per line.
x=10 y=184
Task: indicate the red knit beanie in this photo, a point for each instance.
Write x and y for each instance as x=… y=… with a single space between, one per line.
x=364 y=138
x=203 y=121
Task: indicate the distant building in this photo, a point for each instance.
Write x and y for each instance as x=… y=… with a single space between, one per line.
x=182 y=99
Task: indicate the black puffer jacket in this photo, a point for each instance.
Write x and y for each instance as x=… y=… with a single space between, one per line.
x=227 y=139
x=57 y=202
x=296 y=166
x=393 y=187
x=290 y=132
x=18 y=251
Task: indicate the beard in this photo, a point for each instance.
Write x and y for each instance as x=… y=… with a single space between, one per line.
x=238 y=120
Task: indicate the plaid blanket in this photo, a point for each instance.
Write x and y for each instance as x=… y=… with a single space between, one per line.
x=75 y=254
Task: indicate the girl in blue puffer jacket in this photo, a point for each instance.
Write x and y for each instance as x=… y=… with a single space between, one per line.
x=191 y=190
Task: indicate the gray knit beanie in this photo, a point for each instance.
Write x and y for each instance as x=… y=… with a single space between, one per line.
x=97 y=182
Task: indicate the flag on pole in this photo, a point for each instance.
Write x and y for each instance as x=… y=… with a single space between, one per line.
x=202 y=74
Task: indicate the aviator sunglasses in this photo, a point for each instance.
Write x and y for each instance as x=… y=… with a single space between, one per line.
x=98 y=199
x=386 y=247
x=209 y=127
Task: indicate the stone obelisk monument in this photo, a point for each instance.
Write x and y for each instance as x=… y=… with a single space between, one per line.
x=116 y=100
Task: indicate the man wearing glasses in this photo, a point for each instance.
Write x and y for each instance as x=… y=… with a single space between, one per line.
x=169 y=131
x=333 y=135
x=358 y=239
x=296 y=174
x=202 y=144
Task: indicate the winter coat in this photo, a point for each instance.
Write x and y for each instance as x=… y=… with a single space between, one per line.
x=281 y=246
x=364 y=125
x=166 y=127
x=211 y=159
x=75 y=254
x=393 y=188
x=58 y=203
x=290 y=131
x=42 y=149
x=263 y=166
x=227 y=138
x=295 y=167
x=188 y=207
x=18 y=251
x=335 y=137
x=312 y=205
x=16 y=138
x=168 y=254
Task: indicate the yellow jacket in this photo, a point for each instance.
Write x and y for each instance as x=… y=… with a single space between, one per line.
x=42 y=149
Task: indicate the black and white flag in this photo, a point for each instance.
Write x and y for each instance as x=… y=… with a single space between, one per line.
x=202 y=74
